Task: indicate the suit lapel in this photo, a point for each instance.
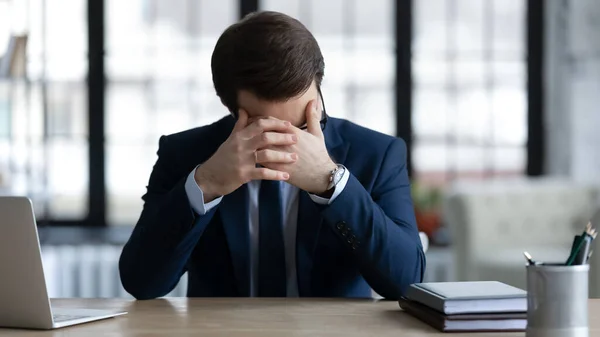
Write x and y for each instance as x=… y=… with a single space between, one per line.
x=234 y=214
x=309 y=215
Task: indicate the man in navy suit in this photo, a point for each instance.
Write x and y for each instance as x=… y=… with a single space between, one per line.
x=278 y=199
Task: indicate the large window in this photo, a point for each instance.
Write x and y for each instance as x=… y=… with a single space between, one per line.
x=469 y=89
x=43 y=113
x=159 y=82
x=469 y=93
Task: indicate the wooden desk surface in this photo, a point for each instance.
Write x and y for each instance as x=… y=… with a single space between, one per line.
x=254 y=317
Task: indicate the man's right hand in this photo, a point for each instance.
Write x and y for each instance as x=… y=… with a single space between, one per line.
x=234 y=163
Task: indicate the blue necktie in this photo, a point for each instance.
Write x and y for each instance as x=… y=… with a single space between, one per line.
x=271 y=252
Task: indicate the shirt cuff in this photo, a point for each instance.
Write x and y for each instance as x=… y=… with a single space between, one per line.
x=337 y=190
x=196 y=196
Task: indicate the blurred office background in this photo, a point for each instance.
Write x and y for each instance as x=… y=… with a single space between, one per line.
x=497 y=100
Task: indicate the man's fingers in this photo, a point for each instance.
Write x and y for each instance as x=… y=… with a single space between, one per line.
x=273 y=139
x=264 y=125
x=273 y=156
x=313 y=118
x=242 y=120
x=263 y=173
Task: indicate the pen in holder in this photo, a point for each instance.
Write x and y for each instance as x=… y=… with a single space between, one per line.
x=557 y=300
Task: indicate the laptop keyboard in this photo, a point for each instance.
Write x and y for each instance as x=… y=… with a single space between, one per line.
x=63 y=318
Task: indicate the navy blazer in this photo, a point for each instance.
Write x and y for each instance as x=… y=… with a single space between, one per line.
x=375 y=208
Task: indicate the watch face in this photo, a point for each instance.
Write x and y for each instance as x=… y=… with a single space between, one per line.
x=338 y=174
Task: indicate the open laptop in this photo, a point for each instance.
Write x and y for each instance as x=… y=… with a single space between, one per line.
x=24 y=301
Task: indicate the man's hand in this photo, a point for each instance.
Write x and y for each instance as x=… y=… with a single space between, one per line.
x=312 y=170
x=234 y=163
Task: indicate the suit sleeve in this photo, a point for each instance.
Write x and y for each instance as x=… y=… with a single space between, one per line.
x=379 y=228
x=154 y=258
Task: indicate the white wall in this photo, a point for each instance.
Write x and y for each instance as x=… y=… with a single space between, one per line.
x=572 y=88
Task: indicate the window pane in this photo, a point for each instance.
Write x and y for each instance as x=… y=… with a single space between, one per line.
x=374 y=109
x=431 y=161
x=67 y=150
x=472 y=119
x=43 y=120
x=128 y=169
x=372 y=63
x=57 y=38
x=469 y=26
x=289 y=7
x=66 y=34
x=67 y=109
x=335 y=52
x=469 y=74
x=127 y=105
x=510 y=73
x=48 y=166
x=510 y=116
x=67 y=179
x=459 y=69
x=510 y=160
x=326 y=19
x=430 y=37
x=212 y=17
x=5 y=25
x=509 y=27
x=430 y=113
x=374 y=18
x=470 y=160
x=336 y=100
x=429 y=72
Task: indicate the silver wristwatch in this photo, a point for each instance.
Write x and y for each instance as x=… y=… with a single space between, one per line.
x=336 y=176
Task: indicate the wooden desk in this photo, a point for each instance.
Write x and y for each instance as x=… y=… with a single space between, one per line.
x=254 y=317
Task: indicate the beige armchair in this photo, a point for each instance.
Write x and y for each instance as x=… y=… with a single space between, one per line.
x=493 y=222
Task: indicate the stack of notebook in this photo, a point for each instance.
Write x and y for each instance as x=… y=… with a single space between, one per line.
x=467 y=306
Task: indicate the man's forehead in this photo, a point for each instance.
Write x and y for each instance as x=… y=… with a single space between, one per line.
x=257 y=107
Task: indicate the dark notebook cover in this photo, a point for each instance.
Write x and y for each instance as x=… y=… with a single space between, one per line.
x=490 y=322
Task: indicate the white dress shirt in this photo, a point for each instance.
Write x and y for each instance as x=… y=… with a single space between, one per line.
x=289 y=195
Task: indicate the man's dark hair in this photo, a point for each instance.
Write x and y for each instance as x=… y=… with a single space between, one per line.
x=270 y=54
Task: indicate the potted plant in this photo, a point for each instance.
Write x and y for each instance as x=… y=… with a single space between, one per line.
x=427 y=204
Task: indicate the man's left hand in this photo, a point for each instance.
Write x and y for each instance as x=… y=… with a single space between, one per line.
x=312 y=169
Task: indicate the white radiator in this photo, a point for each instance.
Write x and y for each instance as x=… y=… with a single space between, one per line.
x=89 y=271
x=92 y=271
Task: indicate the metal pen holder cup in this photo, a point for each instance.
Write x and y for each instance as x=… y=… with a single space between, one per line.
x=557 y=300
